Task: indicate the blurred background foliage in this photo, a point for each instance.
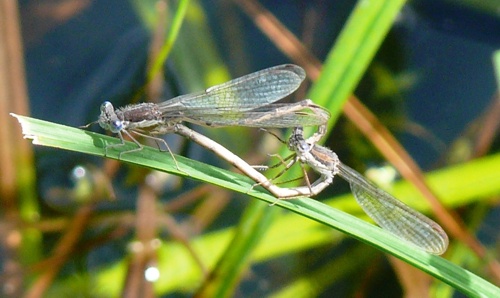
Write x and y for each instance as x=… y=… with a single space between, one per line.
x=81 y=225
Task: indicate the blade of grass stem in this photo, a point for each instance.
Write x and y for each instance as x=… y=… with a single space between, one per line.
x=63 y=137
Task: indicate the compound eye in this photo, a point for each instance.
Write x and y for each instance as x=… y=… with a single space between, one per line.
x=305 y=147
x=117 y=126
x=106 y=107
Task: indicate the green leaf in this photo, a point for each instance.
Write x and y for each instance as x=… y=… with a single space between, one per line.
x=68 y=138
x=354 y=49
x=496 y=66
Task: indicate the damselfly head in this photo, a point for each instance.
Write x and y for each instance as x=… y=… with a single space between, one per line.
x=297 y=143
x=108 y=119
x=304 y=147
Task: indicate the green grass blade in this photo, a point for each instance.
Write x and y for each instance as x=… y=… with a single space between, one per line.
x=496 y=66
x=237 y=257
x=354 y=49
x=173 y=33
x=68 y=138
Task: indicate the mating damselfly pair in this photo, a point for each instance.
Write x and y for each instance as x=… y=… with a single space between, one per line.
x=251 y=101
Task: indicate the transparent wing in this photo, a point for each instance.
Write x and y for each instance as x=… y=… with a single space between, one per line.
x=303 y=113
x=393 y=215
x=242 y=94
